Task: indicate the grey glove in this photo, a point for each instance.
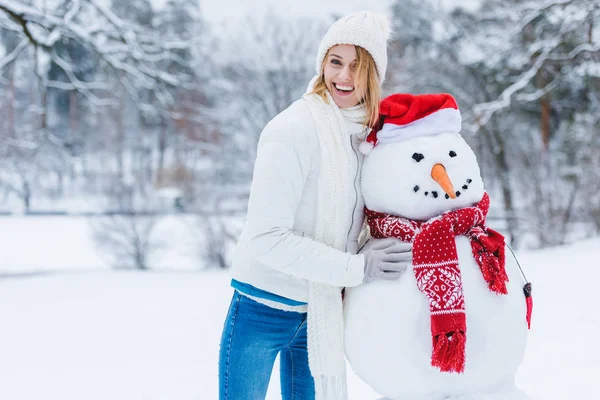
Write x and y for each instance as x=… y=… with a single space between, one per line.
x=385 y=258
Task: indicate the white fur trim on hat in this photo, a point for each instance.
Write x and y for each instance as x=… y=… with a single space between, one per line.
x=441 y=121
x=367 y=29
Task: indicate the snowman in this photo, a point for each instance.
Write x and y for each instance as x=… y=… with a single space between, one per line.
x=454 y=325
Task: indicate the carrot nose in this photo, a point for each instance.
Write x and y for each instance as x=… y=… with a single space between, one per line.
x=438 y=173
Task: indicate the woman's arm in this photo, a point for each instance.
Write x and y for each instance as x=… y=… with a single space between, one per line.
x=280 y=174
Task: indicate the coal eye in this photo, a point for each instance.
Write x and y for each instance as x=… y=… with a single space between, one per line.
x=417 y=157
x=452 y=153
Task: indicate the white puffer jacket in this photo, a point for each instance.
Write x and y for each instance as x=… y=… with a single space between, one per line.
x=276 y=251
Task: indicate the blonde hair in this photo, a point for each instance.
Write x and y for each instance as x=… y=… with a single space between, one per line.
x=366 y=82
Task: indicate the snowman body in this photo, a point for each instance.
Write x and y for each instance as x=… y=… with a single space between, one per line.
x=388 y=340
x=387 y=323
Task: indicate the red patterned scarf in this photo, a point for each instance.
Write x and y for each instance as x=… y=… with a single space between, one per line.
x=435 y=263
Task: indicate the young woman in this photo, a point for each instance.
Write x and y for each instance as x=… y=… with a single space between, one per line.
x=299 y=245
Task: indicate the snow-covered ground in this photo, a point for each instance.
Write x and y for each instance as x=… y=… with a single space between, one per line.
x=90 y=333
x=43 y=244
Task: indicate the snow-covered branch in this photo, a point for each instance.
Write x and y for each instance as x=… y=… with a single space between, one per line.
x=552 y=45
x=590 y=49
x=9 y=58
x=484 y=111
x=133 y=52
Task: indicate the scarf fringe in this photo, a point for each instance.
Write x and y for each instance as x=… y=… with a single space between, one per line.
x=491 y=259
x=449 y=352
x=330 y=387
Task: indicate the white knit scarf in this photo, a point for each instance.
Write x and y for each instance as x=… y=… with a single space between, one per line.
x=325 y=312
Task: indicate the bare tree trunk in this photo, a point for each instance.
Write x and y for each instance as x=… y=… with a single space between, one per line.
x=509 y=209
x=72 y=139
x=541 y=80
x=11 y=106
x=121 y=137
x=545 y=120
x=44 y=124
x=502 y=171
x=162 y=145
x=43 y=93
x=569 y=209
x=73 y=112
x=26 y=195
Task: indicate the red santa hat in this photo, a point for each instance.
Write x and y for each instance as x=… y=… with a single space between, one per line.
x=405 y=116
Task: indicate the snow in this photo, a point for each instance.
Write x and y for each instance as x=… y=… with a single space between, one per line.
x=563 y=355
x=44 y=244
x=88 y=332
x=48 y=244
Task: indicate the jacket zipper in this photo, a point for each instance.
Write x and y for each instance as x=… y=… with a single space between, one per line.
x=355 y=189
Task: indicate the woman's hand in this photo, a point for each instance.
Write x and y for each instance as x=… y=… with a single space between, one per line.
x=385 y=258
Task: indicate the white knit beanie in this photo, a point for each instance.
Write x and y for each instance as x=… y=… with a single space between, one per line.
x=367 y=29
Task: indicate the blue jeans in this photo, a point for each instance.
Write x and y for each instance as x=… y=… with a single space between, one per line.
x=253 y=335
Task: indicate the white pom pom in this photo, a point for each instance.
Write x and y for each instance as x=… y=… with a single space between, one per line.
x=383 y=23
x=366 y=147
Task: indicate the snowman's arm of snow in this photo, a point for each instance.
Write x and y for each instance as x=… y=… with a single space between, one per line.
x=280 y=173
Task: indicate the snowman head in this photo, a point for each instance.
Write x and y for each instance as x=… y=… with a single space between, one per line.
x=421 y=166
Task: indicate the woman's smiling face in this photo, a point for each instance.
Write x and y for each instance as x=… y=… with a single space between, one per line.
x=339 y=73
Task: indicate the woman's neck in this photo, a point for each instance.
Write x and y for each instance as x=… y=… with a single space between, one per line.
x=355 y=114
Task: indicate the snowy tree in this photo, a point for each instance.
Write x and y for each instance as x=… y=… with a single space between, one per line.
x=215 y=238
x=518 y=71
x=185 y=132
x=133 y=52
x=548 y=62
x=258 y=71
x=107 y=77
x=265 y=67
x=433 y=52
x=126 y=241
